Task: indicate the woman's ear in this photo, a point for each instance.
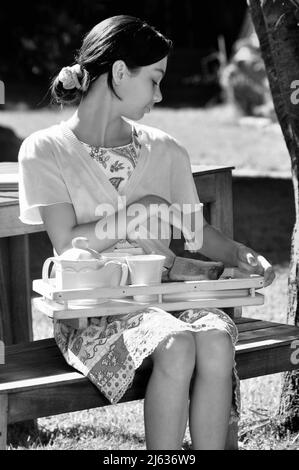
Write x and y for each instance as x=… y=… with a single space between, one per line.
x=119 y=70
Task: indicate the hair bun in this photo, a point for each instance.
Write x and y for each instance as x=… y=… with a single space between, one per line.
x=68 y=76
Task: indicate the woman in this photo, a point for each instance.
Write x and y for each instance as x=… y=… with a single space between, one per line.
x=100 y=153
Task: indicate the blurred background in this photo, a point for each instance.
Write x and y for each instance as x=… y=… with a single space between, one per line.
x=38 y=38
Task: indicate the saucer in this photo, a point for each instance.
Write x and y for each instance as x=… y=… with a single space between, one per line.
x=86 y=302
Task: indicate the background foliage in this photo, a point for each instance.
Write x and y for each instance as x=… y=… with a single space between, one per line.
x=38 y=37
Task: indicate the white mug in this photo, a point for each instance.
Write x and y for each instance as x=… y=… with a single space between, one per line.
x=118 y=256
x=115 y=255
x=146 y=269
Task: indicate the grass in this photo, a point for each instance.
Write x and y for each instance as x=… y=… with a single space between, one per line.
x=212 y=136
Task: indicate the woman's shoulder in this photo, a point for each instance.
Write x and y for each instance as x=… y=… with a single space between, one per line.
x=155 y=134
x=160 y=137
x=38 y=141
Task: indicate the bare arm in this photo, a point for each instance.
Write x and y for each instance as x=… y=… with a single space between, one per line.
x=218 y=247
x=61 y=224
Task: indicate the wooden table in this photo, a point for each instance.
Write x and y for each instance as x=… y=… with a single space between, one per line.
x=15 y=281
x=214 y=186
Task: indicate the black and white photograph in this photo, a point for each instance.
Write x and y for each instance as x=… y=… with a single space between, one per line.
x=149 y=228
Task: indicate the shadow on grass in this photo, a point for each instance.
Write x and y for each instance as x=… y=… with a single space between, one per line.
x=26 y=434
x=29 y=435
x=267 y=434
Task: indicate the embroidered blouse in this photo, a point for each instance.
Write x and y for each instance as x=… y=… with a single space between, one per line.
x=54 y=167
x=118 y=163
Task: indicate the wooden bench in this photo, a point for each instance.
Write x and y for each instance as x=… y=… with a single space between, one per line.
x=36 y=381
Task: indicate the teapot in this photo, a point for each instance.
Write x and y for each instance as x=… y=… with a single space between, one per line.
x=81 y=267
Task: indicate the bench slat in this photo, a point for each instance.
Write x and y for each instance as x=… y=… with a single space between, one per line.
x=240 y=320
x=40 y=383
x=278 y=331
x=80 y=395
x=39 y=364
x=268 y=359
x=255 y=325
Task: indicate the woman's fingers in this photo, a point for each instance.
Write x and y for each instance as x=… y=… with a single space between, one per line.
x=263 y=262
x=251 y=259
x=253 y=263
x=269 y=276
x=267 y=270
x=244 y=266
x=247 y=260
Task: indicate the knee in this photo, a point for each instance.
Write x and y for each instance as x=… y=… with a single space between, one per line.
x=214 y=353
x=175 y=357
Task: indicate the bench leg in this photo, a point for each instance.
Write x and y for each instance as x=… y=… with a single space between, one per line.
x=232 y=437
x=3 y=420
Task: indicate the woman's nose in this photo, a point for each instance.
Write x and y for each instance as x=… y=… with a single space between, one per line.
x=158 y=95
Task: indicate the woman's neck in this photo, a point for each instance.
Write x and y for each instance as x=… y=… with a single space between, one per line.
x=98 y=125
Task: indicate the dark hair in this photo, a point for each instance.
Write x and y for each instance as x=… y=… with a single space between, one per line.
x=120 y=37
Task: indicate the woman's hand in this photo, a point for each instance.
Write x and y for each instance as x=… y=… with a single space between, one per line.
x=251 y=262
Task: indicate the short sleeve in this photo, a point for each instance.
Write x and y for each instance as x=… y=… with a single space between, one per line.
x=184 y=193
x=183 y=189
x=40 y=179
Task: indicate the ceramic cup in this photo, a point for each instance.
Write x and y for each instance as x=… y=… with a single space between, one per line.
x=146 y=269
x=118 y=256
x=114 y=255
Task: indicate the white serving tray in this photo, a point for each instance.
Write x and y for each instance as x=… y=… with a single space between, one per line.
x=233 y=289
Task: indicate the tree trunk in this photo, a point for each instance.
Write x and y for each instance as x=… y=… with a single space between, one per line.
x=276 y=24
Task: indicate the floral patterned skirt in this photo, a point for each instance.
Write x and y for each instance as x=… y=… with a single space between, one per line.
x=111 y=348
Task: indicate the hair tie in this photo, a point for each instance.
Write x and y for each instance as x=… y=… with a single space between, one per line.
x=68 y=76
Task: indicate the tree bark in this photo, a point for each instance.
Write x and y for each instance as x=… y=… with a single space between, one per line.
x=277 y=25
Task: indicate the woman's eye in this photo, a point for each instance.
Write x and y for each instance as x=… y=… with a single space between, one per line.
x=155 y=83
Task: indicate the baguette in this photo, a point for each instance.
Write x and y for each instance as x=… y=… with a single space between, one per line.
x=189 y=269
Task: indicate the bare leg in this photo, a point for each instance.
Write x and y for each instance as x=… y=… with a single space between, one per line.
x=212 y=392
x=167 y=395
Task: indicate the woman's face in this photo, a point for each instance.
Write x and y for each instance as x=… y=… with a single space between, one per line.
x=141 y=91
